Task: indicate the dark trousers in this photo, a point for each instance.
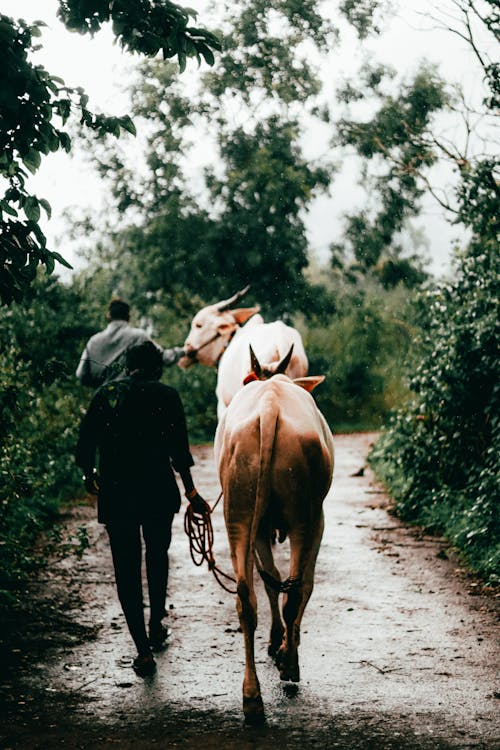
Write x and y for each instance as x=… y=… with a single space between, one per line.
x=126 y=548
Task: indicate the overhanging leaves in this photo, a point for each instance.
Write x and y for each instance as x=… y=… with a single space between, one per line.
x=32 y=101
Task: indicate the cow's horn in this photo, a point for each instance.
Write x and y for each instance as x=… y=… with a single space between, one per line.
x=284 y=362
x=255 y=362
x=226 y=303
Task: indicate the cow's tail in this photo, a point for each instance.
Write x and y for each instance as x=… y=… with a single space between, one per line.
x=268 y=424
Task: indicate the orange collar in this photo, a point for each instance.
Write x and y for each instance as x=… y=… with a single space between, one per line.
x=250 y=377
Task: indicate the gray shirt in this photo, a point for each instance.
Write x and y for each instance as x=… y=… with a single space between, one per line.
x=101 y=357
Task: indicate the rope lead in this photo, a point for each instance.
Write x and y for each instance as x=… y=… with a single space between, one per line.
x=200 y=532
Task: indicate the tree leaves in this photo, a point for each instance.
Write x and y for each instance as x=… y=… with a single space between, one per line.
x=32 y=159
x=143 y=26
x=30 y=99
x=257 y=182
x=398 y=139
x=32 y=208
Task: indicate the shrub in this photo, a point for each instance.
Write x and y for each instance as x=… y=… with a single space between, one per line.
x=40 y=407
x=440 y=457
x=360 y=351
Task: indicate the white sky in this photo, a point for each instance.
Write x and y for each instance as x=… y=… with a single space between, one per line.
x=101 y=68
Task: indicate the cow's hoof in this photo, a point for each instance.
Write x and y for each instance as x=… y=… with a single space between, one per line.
x=253 y=709
x=289 y=674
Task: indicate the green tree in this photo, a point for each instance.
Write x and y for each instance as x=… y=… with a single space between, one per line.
x=440 y=456
x=266 y=187
x=401 y=142
x=396 y=139
x=35 y=106
x=251 y=196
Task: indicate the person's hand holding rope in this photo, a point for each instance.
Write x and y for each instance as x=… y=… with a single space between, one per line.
x=198 y=505
x=198 y=528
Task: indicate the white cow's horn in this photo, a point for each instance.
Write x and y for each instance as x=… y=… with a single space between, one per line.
x=226 y=303
x=284 y=362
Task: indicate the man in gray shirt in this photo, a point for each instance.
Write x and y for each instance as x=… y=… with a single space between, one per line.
x=103 y=358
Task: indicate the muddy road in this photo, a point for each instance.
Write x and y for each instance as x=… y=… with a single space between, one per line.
x=399 y=646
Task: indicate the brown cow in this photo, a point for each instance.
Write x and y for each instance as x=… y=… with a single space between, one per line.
x=274 y=452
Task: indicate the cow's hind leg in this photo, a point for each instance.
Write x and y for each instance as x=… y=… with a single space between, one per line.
x=302 y=563
x=246 y=604
x=287 y=658
x=266 y=558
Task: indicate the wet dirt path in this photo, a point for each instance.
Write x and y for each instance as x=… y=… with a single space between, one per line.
x=398 y=649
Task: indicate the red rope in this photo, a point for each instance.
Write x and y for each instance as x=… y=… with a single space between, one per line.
x=200 y=533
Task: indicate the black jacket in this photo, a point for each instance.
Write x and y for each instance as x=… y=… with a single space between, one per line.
x=138 y=428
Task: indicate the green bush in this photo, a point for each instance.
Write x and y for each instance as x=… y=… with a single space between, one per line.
x=40 y=407
x=440 y=457
x=360 y=350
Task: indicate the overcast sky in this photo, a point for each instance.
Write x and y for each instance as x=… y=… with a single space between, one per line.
x=100 y=67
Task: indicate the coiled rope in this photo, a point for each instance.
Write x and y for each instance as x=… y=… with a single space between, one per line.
x=200 y=533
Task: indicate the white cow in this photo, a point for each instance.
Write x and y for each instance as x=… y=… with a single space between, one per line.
x=221 y=336
x=274 y=452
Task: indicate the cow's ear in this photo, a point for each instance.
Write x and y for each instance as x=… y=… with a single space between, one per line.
x=309 y=382
x=242 y=314
x=225 y=329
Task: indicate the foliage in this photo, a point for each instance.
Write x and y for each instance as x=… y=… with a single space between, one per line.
x=479 y=198
x=248 y=198
x=261 y=57
x=398 y=136
x=265 y=189
x=40 y=406
x=440 y=456
x=362 y=15
x=405 y=140
x=32 y=100
x=359 y=347
x=143 y=26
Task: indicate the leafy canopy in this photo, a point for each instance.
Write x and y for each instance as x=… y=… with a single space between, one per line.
x=253 y=184
x=35 y=107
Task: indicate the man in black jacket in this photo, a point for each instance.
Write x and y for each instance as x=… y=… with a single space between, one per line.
x=138 y=428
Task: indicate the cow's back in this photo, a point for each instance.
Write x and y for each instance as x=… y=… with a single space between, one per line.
x=274 y=431
x=302 y=461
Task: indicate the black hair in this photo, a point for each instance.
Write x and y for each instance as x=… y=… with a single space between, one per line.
x=118 y=309
x=144 y=359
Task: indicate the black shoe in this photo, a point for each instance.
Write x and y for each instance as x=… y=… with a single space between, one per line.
x=158 y=637
x=144 y=665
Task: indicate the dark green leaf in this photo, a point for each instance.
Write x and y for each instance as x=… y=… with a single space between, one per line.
x=61 y=260
x=32 y=160
x=32 y=208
